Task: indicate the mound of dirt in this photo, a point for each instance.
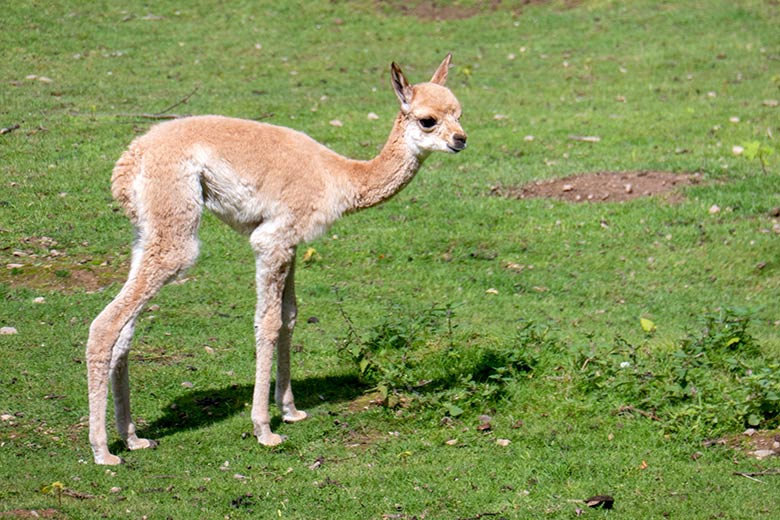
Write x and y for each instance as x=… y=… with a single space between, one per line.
x=440 y=10
x=603 y=186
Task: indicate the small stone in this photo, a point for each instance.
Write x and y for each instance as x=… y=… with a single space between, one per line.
x=39 y=299
x=372 y=116
x=336 y=123
x=451 y=442
x=7 y=331
x=714 y=209
x=116 y=489
x=567 y=187
x=762 y=454
x=503 y=442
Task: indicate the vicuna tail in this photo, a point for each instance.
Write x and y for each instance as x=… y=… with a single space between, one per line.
x=126 y=171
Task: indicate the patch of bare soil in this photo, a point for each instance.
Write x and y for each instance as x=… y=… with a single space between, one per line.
x=604 y=187
x=445 y=10
x=754 y=443
x=39 y=264
x=439 y=10
x=64 y=278
x=30 y=513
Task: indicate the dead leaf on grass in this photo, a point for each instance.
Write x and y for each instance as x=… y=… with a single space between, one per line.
x=600 y=501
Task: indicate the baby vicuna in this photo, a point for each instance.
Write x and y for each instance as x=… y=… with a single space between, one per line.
x=275 y=185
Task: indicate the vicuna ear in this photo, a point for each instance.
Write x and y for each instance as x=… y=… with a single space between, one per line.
x=401 y=87
x=440 y=76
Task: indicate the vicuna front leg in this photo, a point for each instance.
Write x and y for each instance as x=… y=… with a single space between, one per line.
x=274 y=273
x=283 y=392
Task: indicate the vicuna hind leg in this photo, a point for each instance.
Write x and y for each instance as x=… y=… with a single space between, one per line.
x=110 y=332
x=110 y=337
x=167 y=245
x=120 y=381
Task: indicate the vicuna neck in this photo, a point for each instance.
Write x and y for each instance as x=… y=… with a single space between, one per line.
x=389 y=172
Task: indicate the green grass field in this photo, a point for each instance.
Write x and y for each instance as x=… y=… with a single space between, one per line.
x=462 y=355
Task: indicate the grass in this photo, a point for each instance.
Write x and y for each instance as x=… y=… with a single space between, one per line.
x=666 y=86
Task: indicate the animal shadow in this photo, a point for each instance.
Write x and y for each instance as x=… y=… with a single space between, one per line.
x=196 y=409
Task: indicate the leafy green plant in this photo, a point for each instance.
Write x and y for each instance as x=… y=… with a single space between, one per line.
x=715 y=381
x=753 y=150
x=385 y=356
x=55 y=488
x=413 y=359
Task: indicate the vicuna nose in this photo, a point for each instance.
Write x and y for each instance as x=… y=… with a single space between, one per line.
x=458 y=142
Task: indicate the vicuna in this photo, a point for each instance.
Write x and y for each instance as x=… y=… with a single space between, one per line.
x=276 y=186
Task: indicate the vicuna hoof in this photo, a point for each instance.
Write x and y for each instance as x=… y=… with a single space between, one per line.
x=141 y=444
x=297 y=415
x=109 y=460
x=270 y=439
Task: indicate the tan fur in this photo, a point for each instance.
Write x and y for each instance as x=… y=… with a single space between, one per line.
x=277 y=186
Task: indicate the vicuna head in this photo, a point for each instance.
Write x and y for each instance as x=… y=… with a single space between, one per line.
x=430 y=112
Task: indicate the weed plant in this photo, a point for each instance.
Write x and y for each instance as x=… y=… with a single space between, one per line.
x=709 y=383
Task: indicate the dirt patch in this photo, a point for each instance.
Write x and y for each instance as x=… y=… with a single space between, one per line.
x=364 y=402
x=40 y=263
x=62 y=274
x=754 y=443
x=31 y=513
x=442 y=10
x=439 y=10
x=604 y=187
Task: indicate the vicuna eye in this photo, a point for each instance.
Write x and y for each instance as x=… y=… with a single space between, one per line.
x=428 y=122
